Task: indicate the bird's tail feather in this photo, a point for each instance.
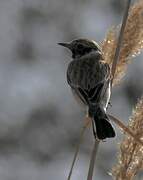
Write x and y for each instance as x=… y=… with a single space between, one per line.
x=104 y=128
x=102 y=125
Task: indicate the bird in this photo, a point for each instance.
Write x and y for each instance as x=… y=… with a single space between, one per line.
x=89 y=78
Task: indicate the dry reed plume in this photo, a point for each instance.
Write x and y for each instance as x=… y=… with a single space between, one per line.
x=132 y=43
x=130 y=160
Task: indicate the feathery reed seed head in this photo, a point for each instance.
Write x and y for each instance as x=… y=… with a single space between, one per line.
x=130 y=160
x=132 y=41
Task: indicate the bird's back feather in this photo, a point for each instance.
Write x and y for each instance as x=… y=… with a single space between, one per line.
x=87 y=76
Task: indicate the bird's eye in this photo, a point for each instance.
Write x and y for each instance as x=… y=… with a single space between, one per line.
x=80 y=46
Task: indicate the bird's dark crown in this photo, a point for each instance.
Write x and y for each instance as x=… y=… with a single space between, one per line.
x=82 y=47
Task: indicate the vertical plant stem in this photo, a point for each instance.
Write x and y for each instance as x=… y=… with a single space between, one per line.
x=92 y=160
x=120 y=39
x=77 y=149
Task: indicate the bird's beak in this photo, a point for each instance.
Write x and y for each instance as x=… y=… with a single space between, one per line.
x=67 y=45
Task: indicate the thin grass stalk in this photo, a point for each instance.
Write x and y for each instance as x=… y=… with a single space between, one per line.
x=120 y=39
x=92 y=160
x=77 y=149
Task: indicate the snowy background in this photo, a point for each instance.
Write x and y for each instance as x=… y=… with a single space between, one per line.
x=39 y=119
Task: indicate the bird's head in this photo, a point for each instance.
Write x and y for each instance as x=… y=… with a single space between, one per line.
x=83 y=47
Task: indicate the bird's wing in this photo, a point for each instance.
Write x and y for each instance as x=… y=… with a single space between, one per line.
x=87 y=78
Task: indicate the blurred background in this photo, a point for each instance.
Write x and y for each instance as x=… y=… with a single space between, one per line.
x=39 y=119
